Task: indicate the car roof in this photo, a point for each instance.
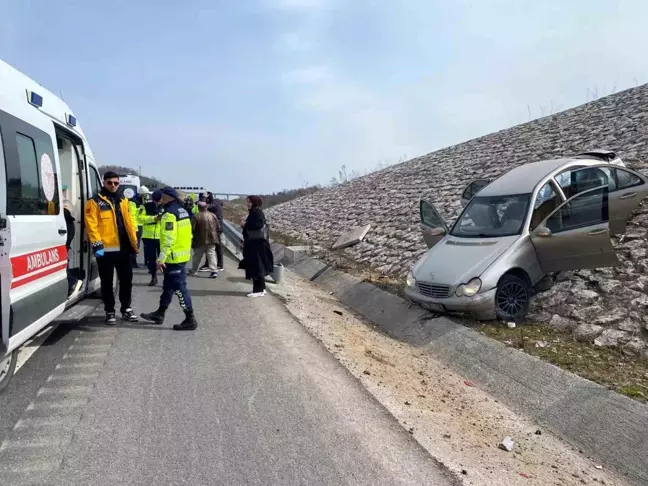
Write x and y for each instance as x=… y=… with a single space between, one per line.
x=524 y=178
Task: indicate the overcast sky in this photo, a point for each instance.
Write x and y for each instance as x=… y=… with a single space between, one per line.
x=255 y=96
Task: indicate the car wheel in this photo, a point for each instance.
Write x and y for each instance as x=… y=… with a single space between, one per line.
x=511 y=298
x=7 y=367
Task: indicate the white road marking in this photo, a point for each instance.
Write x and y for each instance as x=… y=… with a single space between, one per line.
x=30 y=347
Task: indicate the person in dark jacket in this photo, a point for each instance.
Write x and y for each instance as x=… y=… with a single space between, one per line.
x=216 y=207
x=258 y=261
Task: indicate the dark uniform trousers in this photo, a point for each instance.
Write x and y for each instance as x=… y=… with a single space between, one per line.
x=151 y=254
x=111 y=261
x=175 y=282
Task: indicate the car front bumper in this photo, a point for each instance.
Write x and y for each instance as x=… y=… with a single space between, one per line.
x=482 y=305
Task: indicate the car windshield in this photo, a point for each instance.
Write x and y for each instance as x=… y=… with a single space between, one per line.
x=492 y=216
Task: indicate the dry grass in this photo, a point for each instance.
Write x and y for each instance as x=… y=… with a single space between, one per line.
x=610 y=367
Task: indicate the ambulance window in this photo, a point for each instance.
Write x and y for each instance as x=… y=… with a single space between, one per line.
x=95 y=182
x=33 y=187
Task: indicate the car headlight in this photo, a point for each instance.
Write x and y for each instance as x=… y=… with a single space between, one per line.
x=469 y=289
x=411 y=281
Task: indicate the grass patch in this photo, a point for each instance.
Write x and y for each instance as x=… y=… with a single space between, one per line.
x=285 y=239
x=610 y=367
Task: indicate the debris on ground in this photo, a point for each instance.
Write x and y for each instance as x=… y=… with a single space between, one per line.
x=457 y=425
x=339 y=313
x=507 y=444
x=511 y=325
x=469 y=383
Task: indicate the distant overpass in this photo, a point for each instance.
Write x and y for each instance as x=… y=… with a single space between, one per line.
x=198 y=189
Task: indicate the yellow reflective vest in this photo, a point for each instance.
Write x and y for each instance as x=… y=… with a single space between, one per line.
x=175 y=234
x=132 y=209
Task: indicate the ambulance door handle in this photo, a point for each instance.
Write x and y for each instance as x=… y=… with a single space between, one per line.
x=62 y=232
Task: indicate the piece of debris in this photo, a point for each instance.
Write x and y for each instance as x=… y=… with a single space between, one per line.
x=411 y=430
x=339 y=313
x=463 y=471
x=511 y=325
x=597 y=466
x=351 y=237
x=541 y=344
x=507 y=444
x=469 y=383
x=525 y=475
x=407 y=403
x=538 y=432
x=367 y=372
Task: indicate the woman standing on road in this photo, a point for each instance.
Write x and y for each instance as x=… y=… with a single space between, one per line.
x=258 y=261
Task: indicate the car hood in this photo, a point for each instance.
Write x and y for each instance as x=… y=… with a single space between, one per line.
x=456 y=260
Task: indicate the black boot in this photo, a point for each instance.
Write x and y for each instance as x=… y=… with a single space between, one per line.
x=156 y=317
x=153 y=282
x=189 y=324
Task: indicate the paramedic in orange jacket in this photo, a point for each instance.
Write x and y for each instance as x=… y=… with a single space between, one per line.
x=113 y=236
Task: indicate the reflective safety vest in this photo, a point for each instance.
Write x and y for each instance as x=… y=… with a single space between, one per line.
x=175 y=234
x=150 y=226
x=132 y=209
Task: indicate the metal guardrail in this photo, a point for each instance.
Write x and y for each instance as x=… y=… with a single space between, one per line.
x=233 y=234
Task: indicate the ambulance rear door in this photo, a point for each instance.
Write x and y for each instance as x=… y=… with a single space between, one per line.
x=94 y=186
x=34 y=259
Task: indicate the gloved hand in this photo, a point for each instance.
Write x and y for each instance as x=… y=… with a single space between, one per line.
x=99 y=253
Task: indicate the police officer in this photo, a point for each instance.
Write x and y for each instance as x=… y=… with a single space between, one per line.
x=175 y=252
x=151 y=229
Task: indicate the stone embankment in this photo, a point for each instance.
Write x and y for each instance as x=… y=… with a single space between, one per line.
x=605 y=306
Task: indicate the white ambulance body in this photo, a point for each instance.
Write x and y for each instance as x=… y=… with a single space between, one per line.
x=129 y=185
x=45 y=161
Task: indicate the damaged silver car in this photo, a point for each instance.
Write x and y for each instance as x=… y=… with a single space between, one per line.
x=517 y=231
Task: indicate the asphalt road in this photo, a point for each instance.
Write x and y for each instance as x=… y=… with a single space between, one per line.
x=249 y=399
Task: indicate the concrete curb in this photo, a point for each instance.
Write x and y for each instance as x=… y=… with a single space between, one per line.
x=602 y=424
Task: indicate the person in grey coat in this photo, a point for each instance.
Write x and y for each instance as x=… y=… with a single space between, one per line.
x=205 y=228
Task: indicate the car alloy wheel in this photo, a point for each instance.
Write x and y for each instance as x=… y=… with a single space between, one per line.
x=511 y=298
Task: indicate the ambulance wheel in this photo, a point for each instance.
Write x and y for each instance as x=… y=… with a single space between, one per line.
x=7 y=367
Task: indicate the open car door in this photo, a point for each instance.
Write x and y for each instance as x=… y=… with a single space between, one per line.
x=576 y=235
x=433 y=227
x=627 y=189
x=471 y=189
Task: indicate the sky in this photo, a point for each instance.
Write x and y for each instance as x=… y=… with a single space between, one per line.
x=256 y=96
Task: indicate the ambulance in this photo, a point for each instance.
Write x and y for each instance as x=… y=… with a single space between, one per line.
x=129 y=185
x=45 y=165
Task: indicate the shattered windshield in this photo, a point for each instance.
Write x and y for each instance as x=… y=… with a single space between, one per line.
x=492 y=216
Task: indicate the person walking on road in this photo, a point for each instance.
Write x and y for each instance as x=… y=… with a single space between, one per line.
x=205 y=238
x=258 y=260
x=175 y=252
x=151 y=229
x=113 y=238
x=216 y=207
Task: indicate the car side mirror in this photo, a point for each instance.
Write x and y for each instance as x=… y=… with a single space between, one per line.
x=542 y=231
